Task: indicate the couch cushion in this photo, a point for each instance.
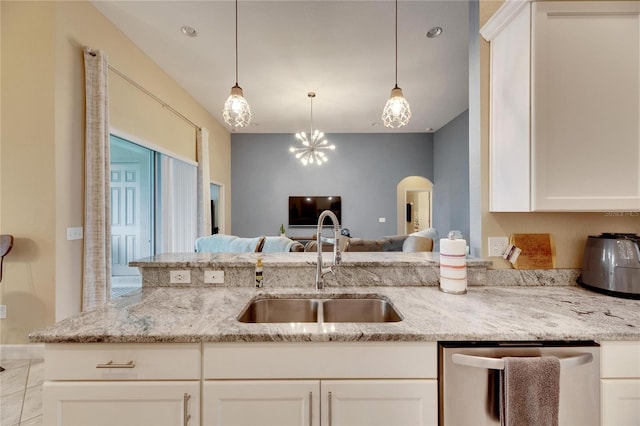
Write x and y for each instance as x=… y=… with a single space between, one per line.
x=414 y=243
x=221 y=243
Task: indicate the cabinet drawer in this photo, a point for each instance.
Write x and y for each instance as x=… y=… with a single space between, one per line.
x=337 y=360
x=620 y=359
x=126 y=361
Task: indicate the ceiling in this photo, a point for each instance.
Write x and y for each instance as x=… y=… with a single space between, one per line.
x=342 y=50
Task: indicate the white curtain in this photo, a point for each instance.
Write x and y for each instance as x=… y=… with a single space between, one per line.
x=96 y=285
x=204 y=182
x=177 y=213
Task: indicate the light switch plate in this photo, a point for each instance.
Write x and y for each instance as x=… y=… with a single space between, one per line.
x=3 y=311
x=214 y=277
x=382 y=219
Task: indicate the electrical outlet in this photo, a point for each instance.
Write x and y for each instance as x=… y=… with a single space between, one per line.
x=214 y=277
x=497 y=245
x=74 y=233
x=3 y=311
x=180 y=277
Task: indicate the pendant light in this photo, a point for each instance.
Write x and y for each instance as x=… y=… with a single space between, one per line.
x=396 y=112
x=236 y=112
x=313 y=147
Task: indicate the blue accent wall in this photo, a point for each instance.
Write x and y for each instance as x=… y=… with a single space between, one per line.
x=364 y=170
x=451 y=174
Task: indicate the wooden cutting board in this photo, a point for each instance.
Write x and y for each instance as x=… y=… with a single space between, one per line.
x=538 y=251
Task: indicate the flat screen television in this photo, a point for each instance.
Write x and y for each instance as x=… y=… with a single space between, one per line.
x=305 y=210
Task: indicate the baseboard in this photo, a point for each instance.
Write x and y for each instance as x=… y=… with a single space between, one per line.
x=35 y=351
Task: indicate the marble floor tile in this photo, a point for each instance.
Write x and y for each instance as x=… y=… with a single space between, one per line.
x=11 y=408
x=34 y=421
x=36 y=373
x=32 y=406
x=14 y=377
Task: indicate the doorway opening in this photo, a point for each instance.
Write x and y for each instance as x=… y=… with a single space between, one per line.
x=132 y=199
x=414 y=197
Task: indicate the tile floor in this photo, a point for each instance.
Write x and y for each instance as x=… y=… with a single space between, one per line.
x=21 y=392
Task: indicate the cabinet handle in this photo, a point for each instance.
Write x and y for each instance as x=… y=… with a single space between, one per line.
x=330 y=408
x=310 y=408
x=185 y=409
x=111 y=364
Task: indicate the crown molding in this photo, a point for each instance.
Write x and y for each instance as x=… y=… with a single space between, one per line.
x=503 y=16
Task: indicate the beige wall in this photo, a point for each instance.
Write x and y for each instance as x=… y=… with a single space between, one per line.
x=42 y=145
x=569 y=230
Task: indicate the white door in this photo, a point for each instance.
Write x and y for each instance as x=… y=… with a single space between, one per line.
x=126 y=226
x=264 y=403
x=121 y=403
x=379 y=402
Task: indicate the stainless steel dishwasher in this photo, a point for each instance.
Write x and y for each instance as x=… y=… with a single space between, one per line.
x=469 y=380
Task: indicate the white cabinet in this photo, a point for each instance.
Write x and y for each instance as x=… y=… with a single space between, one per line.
x=380 y=402
x=121 y=403
x=316 y=384
x=267 y=403
x=122 y=384
x=565 y=106
x=620 y=384
x=316 y=402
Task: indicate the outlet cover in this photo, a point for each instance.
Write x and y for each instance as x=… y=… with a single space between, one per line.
x=180 y=277
x=497 y=245
x=214 y=277
x=74 y=233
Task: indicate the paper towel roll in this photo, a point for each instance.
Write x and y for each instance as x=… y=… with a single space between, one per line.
x=453 y=266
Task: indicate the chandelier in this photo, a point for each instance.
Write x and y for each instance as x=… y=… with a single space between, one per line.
x=313 y=147
x=396 y=112
x=236 y=111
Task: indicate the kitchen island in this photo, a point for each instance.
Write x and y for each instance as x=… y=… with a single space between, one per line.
x=179 y=355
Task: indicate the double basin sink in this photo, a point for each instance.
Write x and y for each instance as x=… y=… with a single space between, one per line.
x=344 y=308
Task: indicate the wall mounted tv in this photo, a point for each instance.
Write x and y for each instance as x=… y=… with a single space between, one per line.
x=305 y=210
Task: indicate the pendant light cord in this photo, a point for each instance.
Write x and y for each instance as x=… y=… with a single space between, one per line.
x=311 y=96
x=237 y=44
x=396 y=44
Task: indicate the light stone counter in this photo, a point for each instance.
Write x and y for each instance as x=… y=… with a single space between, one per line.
x=298 y=269
x=161 y=314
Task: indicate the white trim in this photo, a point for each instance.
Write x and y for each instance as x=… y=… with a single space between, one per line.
x=32 y=351
x=503 y=16
x=221 y=223
x=144 y=143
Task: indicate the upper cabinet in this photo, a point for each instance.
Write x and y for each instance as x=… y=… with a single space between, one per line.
x=565 y=106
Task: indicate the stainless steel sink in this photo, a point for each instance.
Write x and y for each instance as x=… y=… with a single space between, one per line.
x=312 y=309
x=359 y=310
x=280 y=310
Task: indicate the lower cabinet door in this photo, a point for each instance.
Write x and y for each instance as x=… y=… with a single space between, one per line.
x=121 y=403
x=264 y=403
x=620 y=402
x=379 y=402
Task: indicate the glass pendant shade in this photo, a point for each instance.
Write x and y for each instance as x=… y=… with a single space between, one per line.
x=236 y=111
x=396 y=112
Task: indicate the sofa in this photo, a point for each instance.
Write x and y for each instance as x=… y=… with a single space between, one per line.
x=417 y=241
x=222 y=243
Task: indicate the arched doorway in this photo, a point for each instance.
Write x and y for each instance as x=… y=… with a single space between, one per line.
x=414 y=209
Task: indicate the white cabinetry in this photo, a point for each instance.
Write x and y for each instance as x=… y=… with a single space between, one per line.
x=620 y=384
x=122 y=384
x=314 y=383
x=565 y=106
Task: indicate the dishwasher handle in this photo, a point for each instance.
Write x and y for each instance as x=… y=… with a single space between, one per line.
x=498 y=363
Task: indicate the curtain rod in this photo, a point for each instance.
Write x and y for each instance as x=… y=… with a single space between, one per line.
x=151 y=95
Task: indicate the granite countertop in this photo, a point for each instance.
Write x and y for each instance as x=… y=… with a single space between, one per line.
x=168 y=314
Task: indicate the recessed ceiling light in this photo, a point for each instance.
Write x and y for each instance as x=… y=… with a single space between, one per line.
x=434 y=32
x=189 y=31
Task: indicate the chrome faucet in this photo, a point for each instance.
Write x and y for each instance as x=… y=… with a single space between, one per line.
x=321 y=270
